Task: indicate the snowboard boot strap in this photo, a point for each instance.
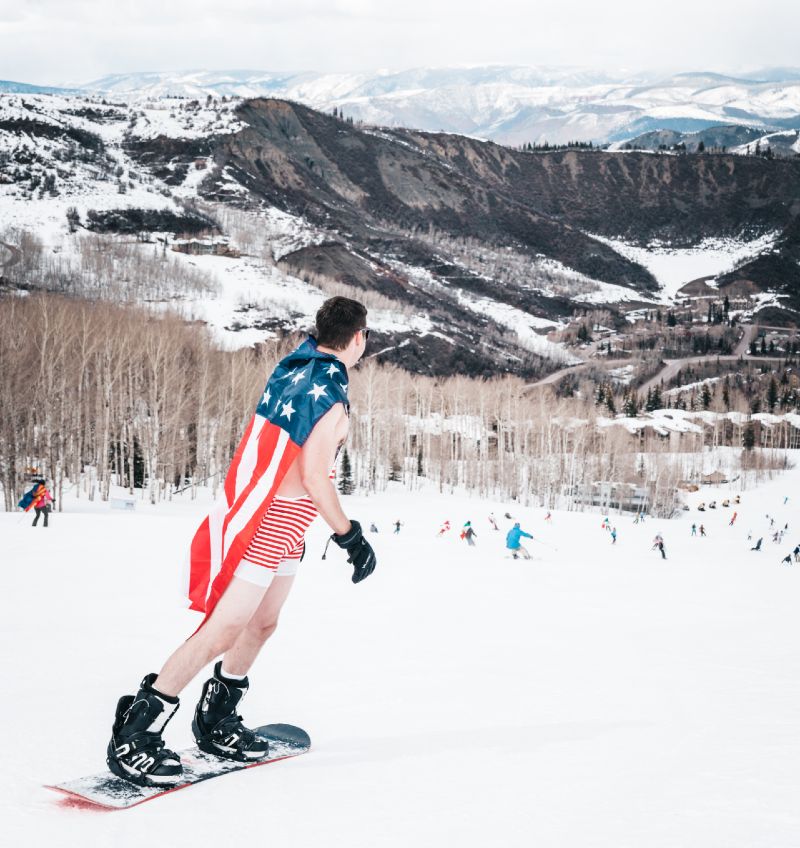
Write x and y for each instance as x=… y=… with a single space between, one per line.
x=217 y=726
x=136 y=751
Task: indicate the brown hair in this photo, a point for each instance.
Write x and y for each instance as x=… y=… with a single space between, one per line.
x=338 y=320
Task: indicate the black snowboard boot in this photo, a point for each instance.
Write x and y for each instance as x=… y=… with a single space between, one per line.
x=136 y=751
x=218 y=728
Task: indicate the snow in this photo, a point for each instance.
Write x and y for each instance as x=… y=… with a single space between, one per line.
x=595 y=696
x=674 y=267
x=511 y=104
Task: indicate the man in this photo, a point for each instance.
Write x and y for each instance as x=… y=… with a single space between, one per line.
x=245 y=554
x=513 y=544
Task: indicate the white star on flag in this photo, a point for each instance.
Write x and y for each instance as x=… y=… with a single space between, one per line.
x=265 y=399
x=332 y=370
x=287 y=410
x=288 y=374
x=297 y=377
x=317 y=391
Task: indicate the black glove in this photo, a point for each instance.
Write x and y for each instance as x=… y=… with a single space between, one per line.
x=360 y=553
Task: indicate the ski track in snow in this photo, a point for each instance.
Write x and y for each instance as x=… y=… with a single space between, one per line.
x=595 y=696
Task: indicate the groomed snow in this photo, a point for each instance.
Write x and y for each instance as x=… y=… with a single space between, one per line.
x=597 y=696
x=673 y=267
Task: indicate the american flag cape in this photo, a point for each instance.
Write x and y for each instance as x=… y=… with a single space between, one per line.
x=303 y=387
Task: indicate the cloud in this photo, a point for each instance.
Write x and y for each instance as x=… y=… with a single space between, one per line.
x=72 y=40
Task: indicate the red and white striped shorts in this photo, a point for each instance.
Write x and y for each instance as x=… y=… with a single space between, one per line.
x=277 y=546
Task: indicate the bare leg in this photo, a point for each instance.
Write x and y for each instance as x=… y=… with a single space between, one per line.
x=240 y=657
x=230 y=615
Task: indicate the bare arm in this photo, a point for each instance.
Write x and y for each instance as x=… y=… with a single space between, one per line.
x=316 y=459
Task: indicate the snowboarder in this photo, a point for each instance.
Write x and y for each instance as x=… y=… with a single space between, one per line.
x=757 y=546
x=702 y=530
x=787 y=559
x=444 y=528
x=548 y=517
x=493 y=522
x=701 y=507
x=694 y=529
x=658 y=542
x=293 y=438
x=513 y=544
x=42 y=503
x=397 y=525
x=614 y=536
x=469 y=534
x=373 y=527
x=796 y=553
x=733 y=519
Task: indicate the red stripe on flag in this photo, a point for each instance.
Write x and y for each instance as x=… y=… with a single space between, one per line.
x=200 y=567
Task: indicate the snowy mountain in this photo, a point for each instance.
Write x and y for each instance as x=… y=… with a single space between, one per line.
x=509 y=104
x=468 y=253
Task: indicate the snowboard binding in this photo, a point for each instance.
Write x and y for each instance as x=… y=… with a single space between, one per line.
x=136 y=752
x=217 y=727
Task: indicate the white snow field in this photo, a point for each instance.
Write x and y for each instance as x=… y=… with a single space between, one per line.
x=596 y=696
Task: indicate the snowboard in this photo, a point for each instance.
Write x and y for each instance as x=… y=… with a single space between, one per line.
x=110 y=792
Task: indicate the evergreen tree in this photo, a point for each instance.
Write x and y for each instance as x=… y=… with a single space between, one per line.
x=726 y=393
x=748 y=437
x=772 y=394
x=346 y=485
x=706 y=396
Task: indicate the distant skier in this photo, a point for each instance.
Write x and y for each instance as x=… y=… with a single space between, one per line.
x=786 y=500
x=694 y=529
x=701 y=507
x=469 y=534
x=493 y=522
x=41 y=502
x=658 y=542
x=787 y=559
x=548 y=517
x=702 y=530
x=444 y=528
x=733 y=519
x=614 y=536
x=757 y=546
x=397 y=525
x=796 y=553
x=372 y=527
x=513 y=541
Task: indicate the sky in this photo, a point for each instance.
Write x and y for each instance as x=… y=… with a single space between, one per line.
x=73 y=41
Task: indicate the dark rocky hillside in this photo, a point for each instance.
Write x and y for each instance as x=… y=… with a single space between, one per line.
x=372 y=185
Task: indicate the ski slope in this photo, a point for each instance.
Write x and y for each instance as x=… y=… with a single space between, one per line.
x=596 y=696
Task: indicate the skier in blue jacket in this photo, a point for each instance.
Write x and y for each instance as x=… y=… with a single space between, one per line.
x=512 y=541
